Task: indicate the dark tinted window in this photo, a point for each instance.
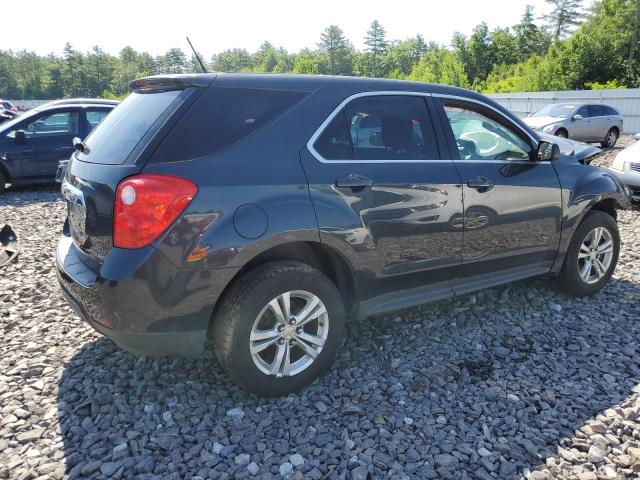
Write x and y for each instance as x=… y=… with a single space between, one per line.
x=584 y=111
x=609 y=110
x=393 y=127
x=335 y=141
x=596 y=111
x=124 y=127
x=222 y=117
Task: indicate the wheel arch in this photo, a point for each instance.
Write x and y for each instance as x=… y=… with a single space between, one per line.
x=320 y=256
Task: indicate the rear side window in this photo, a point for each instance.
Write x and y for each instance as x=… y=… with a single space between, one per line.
x=596 y=111
x=335 y=141
x=384 y=127
x=610 y=110
x=222 y=117
x=116 y=137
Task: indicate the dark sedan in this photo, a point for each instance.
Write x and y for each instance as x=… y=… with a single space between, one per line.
x=32 y=144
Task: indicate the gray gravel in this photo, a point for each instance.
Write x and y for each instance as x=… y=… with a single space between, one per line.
x=516 y=381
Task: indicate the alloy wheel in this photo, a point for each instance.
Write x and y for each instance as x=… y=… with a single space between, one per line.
x=595 y=255
x=289 y=333
x=612 y=138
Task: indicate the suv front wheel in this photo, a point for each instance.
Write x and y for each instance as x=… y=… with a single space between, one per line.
x=592 y=255
x=279 y=327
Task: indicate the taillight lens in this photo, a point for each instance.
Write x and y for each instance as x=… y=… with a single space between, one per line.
x=146 y=205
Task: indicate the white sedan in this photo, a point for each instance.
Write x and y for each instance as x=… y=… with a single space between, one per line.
x=626 y=166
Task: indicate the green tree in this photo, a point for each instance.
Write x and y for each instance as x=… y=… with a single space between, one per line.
x=234 y=60
x=529 y=37
x=440 y=66
x=565 y=15
x=376 y=43
x=337 y=51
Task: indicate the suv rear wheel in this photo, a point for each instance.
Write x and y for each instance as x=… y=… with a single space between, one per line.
x=611 y=138
x=279 y=327
x=592 y=255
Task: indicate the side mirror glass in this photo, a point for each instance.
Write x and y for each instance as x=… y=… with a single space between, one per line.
x=577 y=116
x=20 y=137
x=375 y=139
x=548 y=151
x=637 y=136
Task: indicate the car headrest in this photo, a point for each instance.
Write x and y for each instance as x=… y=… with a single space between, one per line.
x=396 y=132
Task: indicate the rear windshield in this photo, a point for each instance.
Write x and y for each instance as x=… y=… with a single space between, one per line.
x=119 y=133
x=222 y=117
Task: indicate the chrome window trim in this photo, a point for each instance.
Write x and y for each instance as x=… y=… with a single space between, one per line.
x=373 y=93
x=376 y=93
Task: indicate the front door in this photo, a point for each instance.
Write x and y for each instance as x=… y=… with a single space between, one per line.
x=512 y=204
x=383 y=194
x=48 y=139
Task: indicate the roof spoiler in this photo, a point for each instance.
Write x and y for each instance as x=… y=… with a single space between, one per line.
x=165 y=83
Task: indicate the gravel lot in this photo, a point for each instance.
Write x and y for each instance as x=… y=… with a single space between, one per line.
x=516 y=381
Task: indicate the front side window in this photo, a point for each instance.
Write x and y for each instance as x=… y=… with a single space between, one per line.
x=583 y=111
x=55 y=124
x=479 y=137
x=380 y=127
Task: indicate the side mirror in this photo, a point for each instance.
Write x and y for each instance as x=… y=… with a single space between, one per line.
x=577 y=116
x=20 y=137
x=637 y=136
x=548 y=151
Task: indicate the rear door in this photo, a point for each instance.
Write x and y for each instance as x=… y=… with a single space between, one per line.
x=599 y=123
x=512 y=203
x=382 y=191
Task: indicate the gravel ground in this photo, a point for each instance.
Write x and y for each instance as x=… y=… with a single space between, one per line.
x=516 y=381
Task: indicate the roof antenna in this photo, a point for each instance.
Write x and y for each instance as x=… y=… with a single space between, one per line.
x=204 y=70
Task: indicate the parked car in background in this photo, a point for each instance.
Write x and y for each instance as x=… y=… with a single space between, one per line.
x=578 y=121
x=32 y=144
x=7 y=105
x=266 y=210
x=626 y=166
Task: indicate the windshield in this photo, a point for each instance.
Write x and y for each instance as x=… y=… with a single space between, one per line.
x=119 y=133
x=556 y=110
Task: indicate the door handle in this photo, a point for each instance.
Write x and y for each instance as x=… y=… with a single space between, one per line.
x=355 y=182
x=482 y=184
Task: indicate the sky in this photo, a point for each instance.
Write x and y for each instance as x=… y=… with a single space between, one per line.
x=45 y=26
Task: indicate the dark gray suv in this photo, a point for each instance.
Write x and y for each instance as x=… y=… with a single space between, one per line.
x=264 y=211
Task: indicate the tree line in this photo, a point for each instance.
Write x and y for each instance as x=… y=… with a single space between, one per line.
x=569 y=48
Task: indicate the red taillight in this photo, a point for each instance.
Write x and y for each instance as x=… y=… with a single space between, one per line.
x=146 y=205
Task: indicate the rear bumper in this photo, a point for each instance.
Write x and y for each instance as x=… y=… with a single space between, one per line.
x=183 y=344
x=149 y=330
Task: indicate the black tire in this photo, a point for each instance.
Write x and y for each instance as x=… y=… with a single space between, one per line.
x=611 y=139
x=243 y=304
x=3 y=183
x=569 y=279
x=562 y=133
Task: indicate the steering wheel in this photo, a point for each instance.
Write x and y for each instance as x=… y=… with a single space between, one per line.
x=486 y=142
x=467 y=149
